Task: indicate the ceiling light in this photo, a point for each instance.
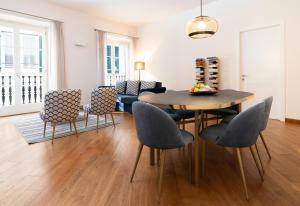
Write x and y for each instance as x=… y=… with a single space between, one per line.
x=202 y=26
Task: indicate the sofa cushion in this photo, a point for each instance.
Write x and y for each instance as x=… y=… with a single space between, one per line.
x=148 y=84
x=121 y=87
x=132 y=87
x=127 y=99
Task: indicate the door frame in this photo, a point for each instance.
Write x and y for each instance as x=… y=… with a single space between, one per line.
x=282 y=83
x=35 y=107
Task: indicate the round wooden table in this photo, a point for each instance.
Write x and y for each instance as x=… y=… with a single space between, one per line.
x=184 y=100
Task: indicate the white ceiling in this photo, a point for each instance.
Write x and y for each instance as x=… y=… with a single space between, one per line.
x=131 y=12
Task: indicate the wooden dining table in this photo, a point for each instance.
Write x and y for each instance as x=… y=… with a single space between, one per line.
x=183 y=100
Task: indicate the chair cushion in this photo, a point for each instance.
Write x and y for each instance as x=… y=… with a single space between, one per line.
x=214 y=132
x=222 y=112
x=148 y=84
x=185 y=114
x=121 y=87
x=173 y=115
x=132 y=87
x=187 y=137
x=228 y=118
x=127 y=99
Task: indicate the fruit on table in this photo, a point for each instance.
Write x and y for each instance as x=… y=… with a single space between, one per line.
x=201 y=87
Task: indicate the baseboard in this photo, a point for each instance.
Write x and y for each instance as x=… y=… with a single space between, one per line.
x=294 y=121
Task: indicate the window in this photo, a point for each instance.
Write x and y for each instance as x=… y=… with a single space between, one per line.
x=117 y=60
x=108 y=59
x=7 y=48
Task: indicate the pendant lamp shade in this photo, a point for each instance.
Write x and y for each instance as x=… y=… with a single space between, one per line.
x=202 y=27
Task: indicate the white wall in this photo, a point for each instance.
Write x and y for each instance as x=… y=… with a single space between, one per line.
x=78 y=27
x=170 y=54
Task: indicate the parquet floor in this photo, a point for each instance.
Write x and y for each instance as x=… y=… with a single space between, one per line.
x=94 y=169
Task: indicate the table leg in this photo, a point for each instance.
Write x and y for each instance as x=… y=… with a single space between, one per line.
x=198 y=122
x=152 y=156
x=239 y=108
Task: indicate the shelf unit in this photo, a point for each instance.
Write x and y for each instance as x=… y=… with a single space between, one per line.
x=200 y=71
x=213 y=72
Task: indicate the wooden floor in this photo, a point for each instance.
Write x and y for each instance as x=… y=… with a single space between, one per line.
x=94 y=169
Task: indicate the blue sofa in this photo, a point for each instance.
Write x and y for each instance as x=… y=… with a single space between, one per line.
x=125 y=101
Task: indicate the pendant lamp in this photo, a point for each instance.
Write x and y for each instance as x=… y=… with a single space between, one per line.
x=202 y=26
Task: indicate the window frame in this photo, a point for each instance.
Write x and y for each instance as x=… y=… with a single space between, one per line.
x=116 y=42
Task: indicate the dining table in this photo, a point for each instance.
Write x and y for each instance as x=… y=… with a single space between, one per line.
x=185 y=100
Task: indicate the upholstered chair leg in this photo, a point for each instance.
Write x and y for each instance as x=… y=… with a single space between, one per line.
x=256 y=163
x=136 y=161
x=242 y=171
x=158 y=156
x=70 y=126
x=105 y=118
x=259 y=157
x=75 y=128
x=163 y=156
x=113 y=120
x=53 y=131
x=203 y=157
x=45 y=125
x=86 y=119
x=97 y=121
x=263 y=140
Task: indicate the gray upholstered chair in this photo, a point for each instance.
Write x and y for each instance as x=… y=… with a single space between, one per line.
x=103 y=102
x=157 y=130
x=242 y=131
x=177 y=118
x=268 y=105
x=61 y=106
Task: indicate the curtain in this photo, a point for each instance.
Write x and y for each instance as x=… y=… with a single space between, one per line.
x=56 y=72
x=101 y=38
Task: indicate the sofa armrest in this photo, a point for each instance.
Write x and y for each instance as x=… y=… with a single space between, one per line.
x=155 y=90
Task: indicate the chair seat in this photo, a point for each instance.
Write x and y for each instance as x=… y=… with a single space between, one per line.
x=214 y=132
x=185 y=114
x=228 y=118
x=172 y=114
x=187 y=137
x=222 y=112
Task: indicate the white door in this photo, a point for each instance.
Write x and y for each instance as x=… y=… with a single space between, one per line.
x=22 y=68
x=262 y=71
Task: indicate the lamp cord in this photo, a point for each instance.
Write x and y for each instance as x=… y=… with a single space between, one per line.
x=201 y=7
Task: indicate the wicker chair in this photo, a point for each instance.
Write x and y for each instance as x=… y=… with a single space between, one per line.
x=61 y=106
x=103 y=101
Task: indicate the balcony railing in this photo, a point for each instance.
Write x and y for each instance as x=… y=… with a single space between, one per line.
x=111 y=79
x=30 y=89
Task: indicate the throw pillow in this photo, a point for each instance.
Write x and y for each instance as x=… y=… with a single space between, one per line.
x=132 y=87
x=148 y=85
x=121 y=86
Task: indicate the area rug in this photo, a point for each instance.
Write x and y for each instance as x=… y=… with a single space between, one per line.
x=32 y=127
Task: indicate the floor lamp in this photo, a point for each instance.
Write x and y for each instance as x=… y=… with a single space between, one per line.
x=139 y=66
